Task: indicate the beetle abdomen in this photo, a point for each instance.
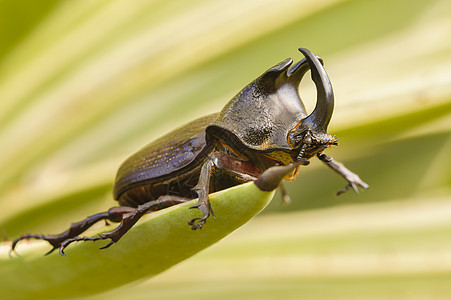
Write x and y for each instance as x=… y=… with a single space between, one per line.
x=180 y=185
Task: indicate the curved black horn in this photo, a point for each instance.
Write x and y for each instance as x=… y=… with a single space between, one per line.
x=297 y=71
x=319 y=119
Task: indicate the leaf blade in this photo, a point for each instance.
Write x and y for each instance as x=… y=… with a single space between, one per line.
x=162 y=240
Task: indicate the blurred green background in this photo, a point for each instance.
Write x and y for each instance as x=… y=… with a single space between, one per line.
x=83 y=84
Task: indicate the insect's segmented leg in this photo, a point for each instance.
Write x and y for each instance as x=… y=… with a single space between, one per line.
x=245 y=170
x=124 y=214
x=353 y=179
x=202 y=190
x=114 y=214
x=285 y=197
x=286 y=200
x=127 y=221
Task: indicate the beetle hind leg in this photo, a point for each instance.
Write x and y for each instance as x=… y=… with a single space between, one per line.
x=114 y=214
x=127 y=216
x=127 y=221
x=49 y=238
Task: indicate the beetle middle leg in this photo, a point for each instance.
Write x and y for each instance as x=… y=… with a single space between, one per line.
x=202 y=188
x=242 y=170
x=353 y=179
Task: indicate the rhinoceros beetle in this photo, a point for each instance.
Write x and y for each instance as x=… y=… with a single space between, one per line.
x=264 y=125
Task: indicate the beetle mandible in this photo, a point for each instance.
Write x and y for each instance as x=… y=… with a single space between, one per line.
x=264 y=125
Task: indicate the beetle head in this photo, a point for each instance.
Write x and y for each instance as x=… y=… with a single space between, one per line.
x=310 y=135
x=268 y=114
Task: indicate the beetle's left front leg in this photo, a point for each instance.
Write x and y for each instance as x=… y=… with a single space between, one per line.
x=354 y=180
x=202 y=188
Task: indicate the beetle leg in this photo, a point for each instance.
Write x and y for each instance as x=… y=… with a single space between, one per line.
x=353 y=179
x=286 y=200
x=114 y=214
x=128 y=219
x=202 y=188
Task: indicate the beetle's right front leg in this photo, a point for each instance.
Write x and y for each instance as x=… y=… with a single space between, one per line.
x=353 y=179
x=202 y=189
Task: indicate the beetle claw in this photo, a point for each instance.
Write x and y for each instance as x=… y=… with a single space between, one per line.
x=61 y=251
x=108 y=245
x=343 y=190
x=67 y=242
x=53 y=249
x=205 y=208
x=354 y=187
x=200 y=223
x=52 y=240
x=354 y=184
x=64 y=244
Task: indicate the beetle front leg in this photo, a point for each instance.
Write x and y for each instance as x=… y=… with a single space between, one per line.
x=353 y=179
x=202 y=189
x=286 y=200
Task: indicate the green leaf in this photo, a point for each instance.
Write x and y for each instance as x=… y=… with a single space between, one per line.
x=155 y=244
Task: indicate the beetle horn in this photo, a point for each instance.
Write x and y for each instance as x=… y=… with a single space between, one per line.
x=319 y=119
x=297 y=71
